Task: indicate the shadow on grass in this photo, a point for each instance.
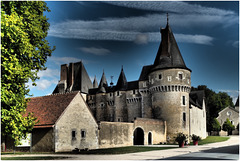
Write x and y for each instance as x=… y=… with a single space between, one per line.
x=34 y=158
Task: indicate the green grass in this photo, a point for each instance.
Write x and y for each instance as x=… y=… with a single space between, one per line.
x=22 y=153
x=123 y=150
x=33 y=158
x=212 y=139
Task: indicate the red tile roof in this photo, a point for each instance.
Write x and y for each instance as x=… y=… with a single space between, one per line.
x=48 y=109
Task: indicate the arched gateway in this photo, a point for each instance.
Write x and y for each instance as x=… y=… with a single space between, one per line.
x=138 y=136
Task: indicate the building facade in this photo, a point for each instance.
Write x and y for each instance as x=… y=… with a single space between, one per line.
x=161 y=92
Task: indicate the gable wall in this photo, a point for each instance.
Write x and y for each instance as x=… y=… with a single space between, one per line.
x=77 y=117
x=233 y=117
x=198 y=121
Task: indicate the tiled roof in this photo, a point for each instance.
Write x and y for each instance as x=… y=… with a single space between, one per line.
x=48 y=109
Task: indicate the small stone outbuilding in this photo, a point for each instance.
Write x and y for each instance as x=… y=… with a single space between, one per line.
x=65 y=123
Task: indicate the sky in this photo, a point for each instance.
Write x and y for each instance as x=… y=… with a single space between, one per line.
x=107 y=35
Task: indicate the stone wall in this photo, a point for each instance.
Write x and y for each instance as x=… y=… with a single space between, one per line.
x=117 y=134
x=157 y=128
x=170 y=98
x=230 y=113
x=42 y=140
x=198 y=121
x=76 y=128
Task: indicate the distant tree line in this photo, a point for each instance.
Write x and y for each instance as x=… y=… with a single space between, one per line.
x=215 y=102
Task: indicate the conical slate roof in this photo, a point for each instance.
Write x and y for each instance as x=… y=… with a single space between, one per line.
x=122 y=81
x=95 y=83
x=103 y=84
x=168 y=55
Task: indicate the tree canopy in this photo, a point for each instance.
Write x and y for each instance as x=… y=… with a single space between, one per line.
x=215 y=102
x=24 y=52
x=228 y=126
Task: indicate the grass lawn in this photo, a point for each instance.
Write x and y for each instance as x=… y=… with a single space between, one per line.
x=212 y=139
x=123 y=150
x=33 y=158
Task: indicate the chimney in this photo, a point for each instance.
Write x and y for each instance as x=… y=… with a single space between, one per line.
x=70 y=74
x=64 y=72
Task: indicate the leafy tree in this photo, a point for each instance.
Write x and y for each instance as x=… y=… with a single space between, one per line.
x=216 y=125
x=228 y=126
x=215 y=102
x=24 y=51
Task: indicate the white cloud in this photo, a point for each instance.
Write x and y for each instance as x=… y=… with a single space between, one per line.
x=43 y=84
x=66 y=60
x=176 y=7
x=197 y=39
x=52 y=73
x=141 y=39
x=235 y=44
x=95 y=51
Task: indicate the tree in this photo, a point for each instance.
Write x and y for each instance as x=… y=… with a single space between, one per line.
x=228 y=126
x=216 y=125
x=215 y=102
x=24 y=52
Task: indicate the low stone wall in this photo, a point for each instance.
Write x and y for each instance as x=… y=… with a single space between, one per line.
x=118 y=134
x=115 y=134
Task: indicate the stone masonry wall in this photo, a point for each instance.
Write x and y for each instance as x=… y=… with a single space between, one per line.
x=76 y=128
x=42 y=140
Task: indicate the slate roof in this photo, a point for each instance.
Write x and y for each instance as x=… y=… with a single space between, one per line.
x=95 y=83
x=122 y=82
x=196 y=98
x=48 y=109
x=145 y=71
x=81 y=80
x=168 y=55
x=237 y=102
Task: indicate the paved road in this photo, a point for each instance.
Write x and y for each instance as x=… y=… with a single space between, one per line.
x=216 y=151
x=222 y=153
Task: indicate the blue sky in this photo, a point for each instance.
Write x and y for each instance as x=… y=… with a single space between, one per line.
x=107 y=35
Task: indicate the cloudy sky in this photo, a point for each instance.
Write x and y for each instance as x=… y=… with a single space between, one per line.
x=107 y=35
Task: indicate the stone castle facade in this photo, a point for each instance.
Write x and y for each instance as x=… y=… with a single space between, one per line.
x=162 y=91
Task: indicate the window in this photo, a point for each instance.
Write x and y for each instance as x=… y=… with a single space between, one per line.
x=144 y=84
x=83 y=133
x=110 y=94
x=119 y=119
x=160 y=76
x=183 y=100
x=118 y=93
x=73 y=135
x=229 y=113
x=180 y=76
x=169 y=78
x=184 y=116
x=134 y=92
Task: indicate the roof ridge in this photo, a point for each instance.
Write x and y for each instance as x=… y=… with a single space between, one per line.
x=54 y=94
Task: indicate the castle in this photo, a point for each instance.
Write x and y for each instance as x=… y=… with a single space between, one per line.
x=151 y=110
x=162 y=92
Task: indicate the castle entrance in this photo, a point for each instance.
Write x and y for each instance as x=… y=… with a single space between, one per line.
x=138 y=136
x=149 y=138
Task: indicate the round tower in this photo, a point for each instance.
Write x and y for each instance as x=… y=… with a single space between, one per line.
x=169 y=85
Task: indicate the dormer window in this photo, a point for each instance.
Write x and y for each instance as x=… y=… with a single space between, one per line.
x=180 y=76
x=160 y=76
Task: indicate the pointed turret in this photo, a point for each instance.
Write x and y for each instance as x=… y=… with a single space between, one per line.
x=168 y=55
x=95 y=83
x=103 y=84
x=122 y=81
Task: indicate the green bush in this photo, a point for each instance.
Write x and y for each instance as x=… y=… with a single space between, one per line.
x=181 y=138
x=195 y=137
